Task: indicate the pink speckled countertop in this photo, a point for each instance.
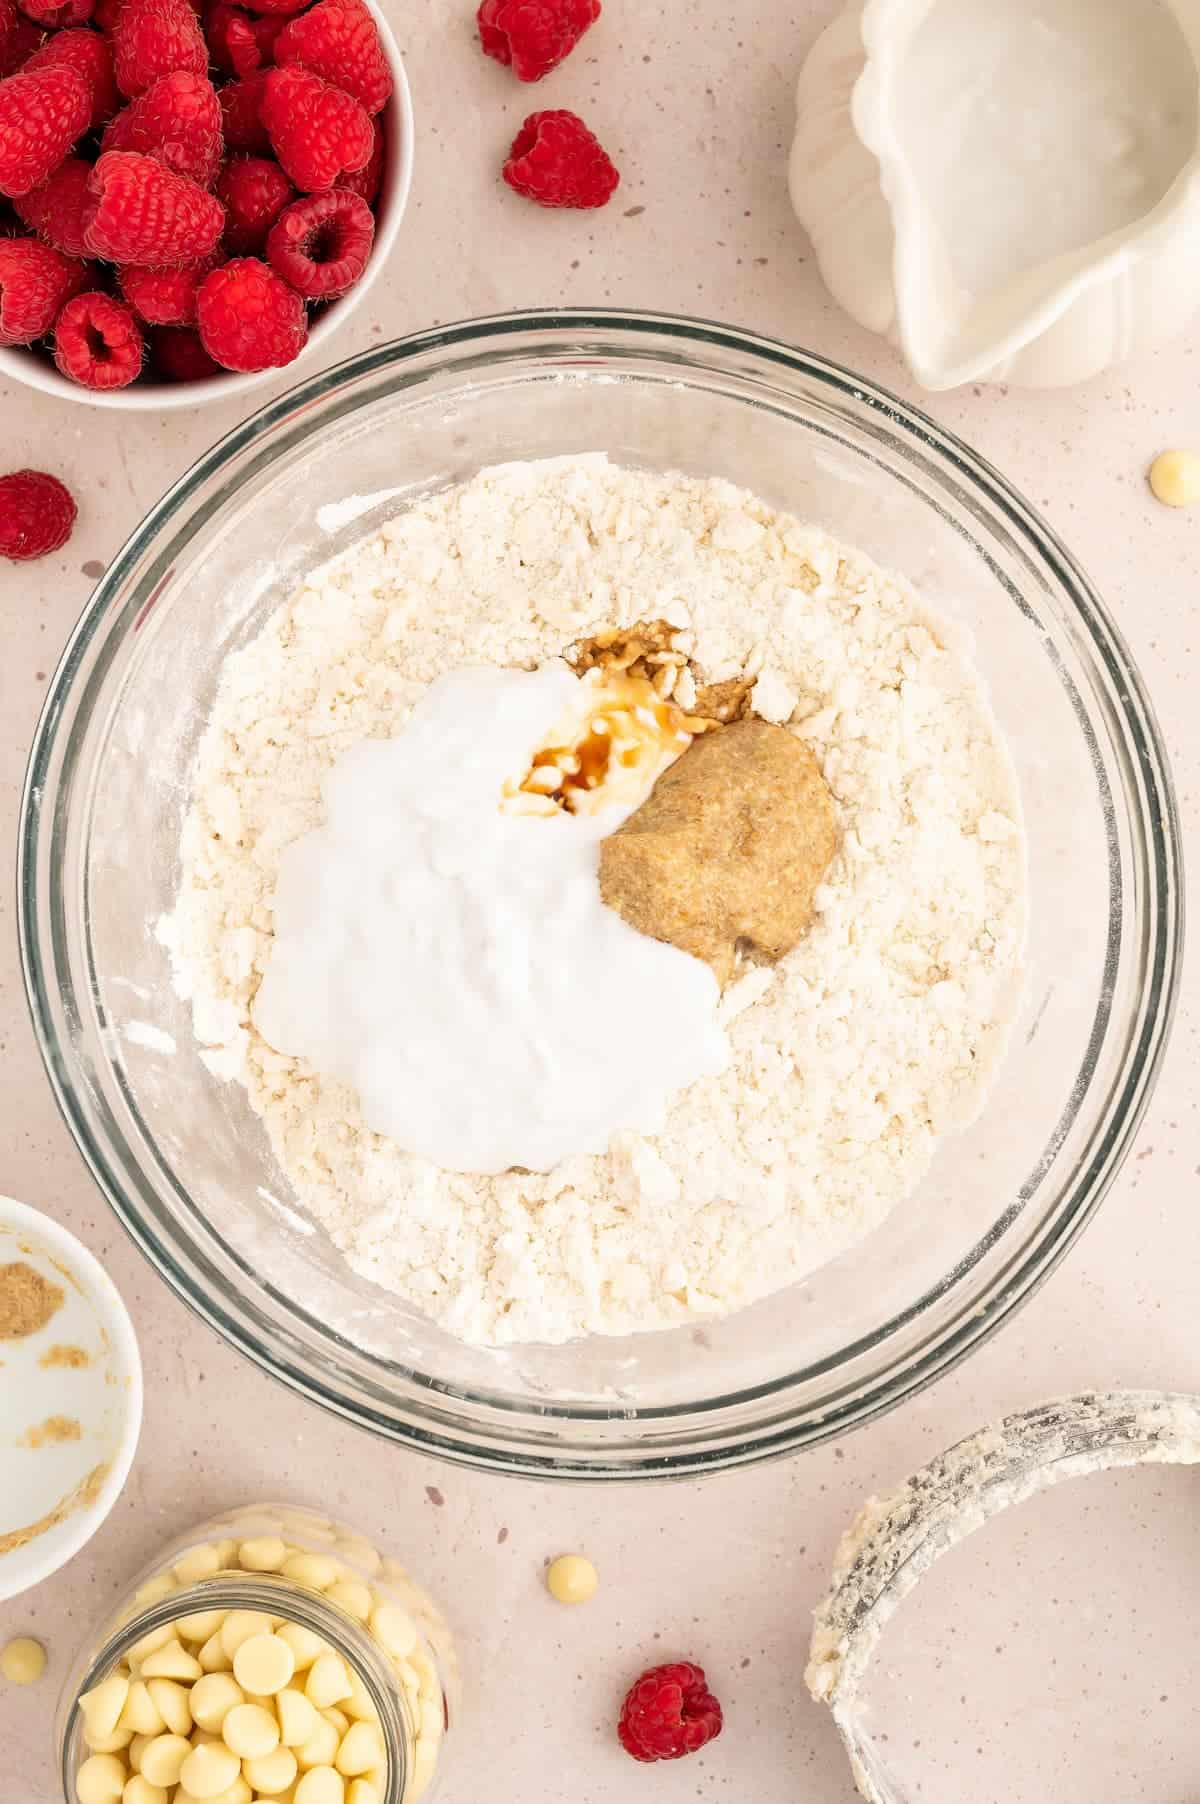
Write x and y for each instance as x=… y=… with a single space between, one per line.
x=696 y=106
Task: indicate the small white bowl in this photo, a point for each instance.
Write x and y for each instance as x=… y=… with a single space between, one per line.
x=70 y=1405
x=36 y=371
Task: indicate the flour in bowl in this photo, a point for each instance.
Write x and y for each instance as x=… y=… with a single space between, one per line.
x=849 y=1058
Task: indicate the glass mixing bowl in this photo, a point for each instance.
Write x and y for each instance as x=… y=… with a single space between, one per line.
x=184 y=1162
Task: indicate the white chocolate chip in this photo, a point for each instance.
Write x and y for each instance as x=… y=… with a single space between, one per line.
x=140 y=1714
x=394 y=1629
x=200 y=1563
x=200 y=1625
x=23 y=1661
x=154 y=1590
x=251 y=1731
x=362 y=1748
x=572 y=1579
x=212 y=1698
x=321 y=1786
x=304 y=1644
x=172 y=1701
x=212 y=1655
x=163 y=1758
x=100 y=1780
x=140 y=1791
x=358 y=1705
x=209 y=1770
x=352 y=1597
x=361 y=1791
x=116 y=1743
x=102 y=1706
x=327 y=1682
x=298 y=1718
x=1175 y=478
x=239 y=1625
x=321 y=1746
x=171 y=1662
x=272 y=1773
x=263 y=1664
x=150 y=1643
x=316 y=1570
x=265 y=1553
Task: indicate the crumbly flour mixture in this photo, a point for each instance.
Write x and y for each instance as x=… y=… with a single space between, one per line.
x=850 y=1057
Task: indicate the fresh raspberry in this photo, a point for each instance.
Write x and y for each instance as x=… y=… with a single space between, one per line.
x=98 y=342
x=34 y=283
x=163 y=297
x=240 y=42
x=86 y=51
x=177 y=355
x=534 y=36
x=276 y=6
x=321 y=244
x=249 y=318
x=106 y=15
x=153 y=38
x=669 y=1712
x=36 y=514
x=177 y=121
x=41 y=115
x=339 y=40
x=145 y=213
x=19 y=38
x=317 y=132
x=254 y=191
x=241 y=113
x=366 y=182
x=556 y=161
x=56 y=210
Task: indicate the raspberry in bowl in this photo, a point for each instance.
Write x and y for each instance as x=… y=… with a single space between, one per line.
x=207 y=196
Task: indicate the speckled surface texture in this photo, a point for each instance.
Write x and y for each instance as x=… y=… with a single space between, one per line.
x=695 y=104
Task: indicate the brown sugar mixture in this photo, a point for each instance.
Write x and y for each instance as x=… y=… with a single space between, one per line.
x=73 y=1358
x=724 y=856
x=27 y=1300
x=52 y=1432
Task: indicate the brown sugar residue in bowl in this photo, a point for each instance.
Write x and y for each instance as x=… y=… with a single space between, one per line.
x=73 y=1359
x=724 y=857
x=52 y=1432
x=84 y=1495
x=27 y=1300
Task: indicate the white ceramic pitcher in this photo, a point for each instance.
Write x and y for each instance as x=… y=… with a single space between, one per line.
x=1010 y=189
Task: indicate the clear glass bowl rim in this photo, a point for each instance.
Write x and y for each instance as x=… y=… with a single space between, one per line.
x=655 y=1451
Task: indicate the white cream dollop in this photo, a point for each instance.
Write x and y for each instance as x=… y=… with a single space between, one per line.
x=452 y=961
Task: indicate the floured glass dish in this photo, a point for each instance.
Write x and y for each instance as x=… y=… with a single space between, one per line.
x=1050 y=1655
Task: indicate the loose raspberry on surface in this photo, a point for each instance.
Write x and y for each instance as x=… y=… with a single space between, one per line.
x=41 y=116
x=320 y=245
x=97 y=341
x=317 y=132
x=35 y=281
x=249 y=318
x=339 y=41
x=669 y=1712
x=153 y=38
x=177 y=355
x=37 y=513
x=254 y=191
x=145 y=213
x=557 y=162
x=366 y=182
x=89 y=54
x=241 y=114
x=533 y=36
x=57 y=210
x=163 y=297
x=177 y=121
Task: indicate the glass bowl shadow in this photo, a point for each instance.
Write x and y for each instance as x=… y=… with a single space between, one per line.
x=186 y=1165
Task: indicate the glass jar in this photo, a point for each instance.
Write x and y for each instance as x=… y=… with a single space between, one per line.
x=298 y=1581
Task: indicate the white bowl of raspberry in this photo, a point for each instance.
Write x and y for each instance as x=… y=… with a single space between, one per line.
x=212 y=200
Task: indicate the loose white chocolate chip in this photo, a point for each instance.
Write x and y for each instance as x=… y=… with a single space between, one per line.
x=572 y=1579
x=362 y=1749
x=264 y=1553
x=1175 y=478
x=163 y=1758
x=23 y=1661
x=395 y=1629
x=209 y=1770
x=264 y=1665
x=316 y=1570
x=327 y=1682
x=201 y=1563
x=321 y=1746
x=239 y=1625
x=100 y=1780
x=140 y=1714
x=212 y=1698
x=321 y=1786
x=305 y=1646
x=140 y=1791
x=171 y=1662
x=272 y=1773
x=251 y=1731
x=212 y=1655
x=298 y=1718
x=101 y=1707
x=173 y=1704
x=200 y=1624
